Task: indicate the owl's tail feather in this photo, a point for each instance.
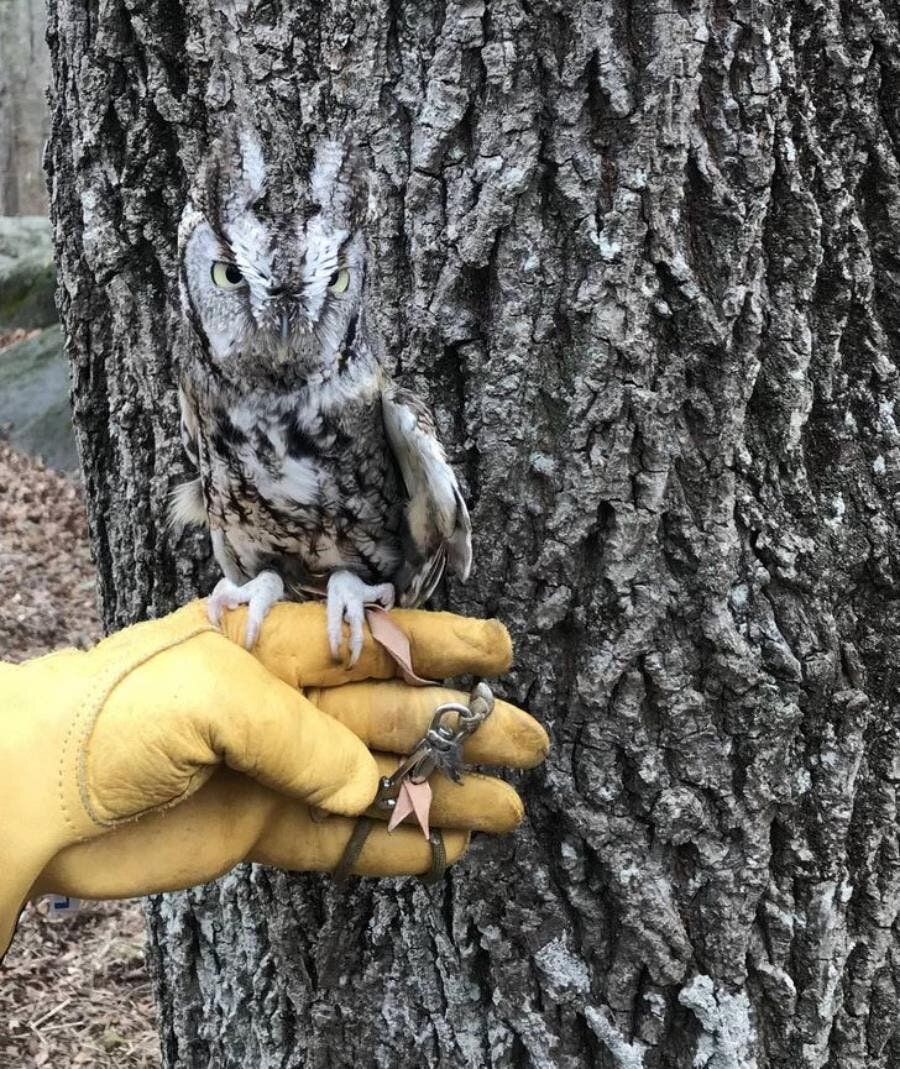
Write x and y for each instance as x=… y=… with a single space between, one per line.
x=187 y=507
x=416 y=583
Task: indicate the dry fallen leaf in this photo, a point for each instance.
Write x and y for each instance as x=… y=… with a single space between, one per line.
x=46 y=573
x=73 y=991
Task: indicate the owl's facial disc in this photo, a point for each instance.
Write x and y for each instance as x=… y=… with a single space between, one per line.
x=268 y=296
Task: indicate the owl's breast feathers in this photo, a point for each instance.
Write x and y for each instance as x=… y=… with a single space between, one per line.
x=318 y=479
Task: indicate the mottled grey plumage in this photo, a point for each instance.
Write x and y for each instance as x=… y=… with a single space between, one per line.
x=314 y=467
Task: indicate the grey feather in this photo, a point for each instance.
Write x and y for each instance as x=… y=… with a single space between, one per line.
x=187 y=507
x=437 y=516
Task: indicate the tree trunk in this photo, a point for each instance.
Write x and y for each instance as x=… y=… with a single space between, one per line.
x=24 y=71
x=642 y=259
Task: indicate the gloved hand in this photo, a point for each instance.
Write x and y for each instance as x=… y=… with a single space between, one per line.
x=167 y=754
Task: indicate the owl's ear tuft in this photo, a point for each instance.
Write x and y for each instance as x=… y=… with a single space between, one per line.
x=232 y=176
x=338 y=181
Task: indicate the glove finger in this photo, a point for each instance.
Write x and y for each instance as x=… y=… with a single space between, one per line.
x=478 y=803
x=229 y=820
x=170 y=849
x=242 y=717
x=291 y=747
x=294 y=646
x=288 y=744
x=404 y=852
x=392 y=716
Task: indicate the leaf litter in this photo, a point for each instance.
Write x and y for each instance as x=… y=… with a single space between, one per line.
x=74 y=990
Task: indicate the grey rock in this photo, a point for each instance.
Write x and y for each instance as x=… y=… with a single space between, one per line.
x=34 y=399
x=27 y=273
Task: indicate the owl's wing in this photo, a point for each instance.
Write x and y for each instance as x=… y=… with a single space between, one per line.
x=437 y=516
x=186 y=503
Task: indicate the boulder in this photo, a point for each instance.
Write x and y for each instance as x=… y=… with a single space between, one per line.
x=34 y=399
x=27 y=273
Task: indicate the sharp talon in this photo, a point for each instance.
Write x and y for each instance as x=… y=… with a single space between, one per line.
x=220 y=599
x=346 y=601
x=334 y=644
x=383 y=595
x=356 y=643
x=259 y=594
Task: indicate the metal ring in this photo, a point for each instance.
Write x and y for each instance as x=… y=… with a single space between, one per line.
x=447 y=707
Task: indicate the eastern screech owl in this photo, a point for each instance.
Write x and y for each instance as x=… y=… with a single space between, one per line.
x=317 y=475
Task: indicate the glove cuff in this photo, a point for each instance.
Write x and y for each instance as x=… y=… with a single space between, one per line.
x=49 y=709
x=104 y=667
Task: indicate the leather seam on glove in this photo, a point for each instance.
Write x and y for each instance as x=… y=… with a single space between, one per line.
x=76 y=743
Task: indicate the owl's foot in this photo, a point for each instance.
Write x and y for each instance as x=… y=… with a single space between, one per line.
x=347 y=599
x=259 y=594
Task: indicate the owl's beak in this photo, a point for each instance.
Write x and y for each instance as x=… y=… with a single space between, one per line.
x=285 y=323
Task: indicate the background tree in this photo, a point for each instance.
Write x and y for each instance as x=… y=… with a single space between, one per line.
x=24 y=71
x=642 y=257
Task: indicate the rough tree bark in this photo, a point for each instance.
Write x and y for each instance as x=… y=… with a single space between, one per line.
x=642 y=257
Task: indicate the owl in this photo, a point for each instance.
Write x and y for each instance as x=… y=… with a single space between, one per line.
x=317 y=475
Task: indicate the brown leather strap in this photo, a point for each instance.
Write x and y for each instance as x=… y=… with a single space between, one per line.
x=357 y=841
x=354 y=847
x=438 y=858
x=396 y=642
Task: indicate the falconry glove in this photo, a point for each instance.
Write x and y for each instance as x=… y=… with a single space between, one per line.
x=167 y=754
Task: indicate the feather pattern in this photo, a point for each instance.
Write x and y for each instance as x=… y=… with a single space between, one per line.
x=292 y=484
x=437 y=518
x=309 y=459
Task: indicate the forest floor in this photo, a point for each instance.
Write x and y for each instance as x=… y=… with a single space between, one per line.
x=74 y=990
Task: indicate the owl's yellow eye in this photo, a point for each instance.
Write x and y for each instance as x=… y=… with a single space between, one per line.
x=226 y=276
x=339 y=281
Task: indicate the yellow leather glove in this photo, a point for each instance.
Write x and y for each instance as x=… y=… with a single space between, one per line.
x=167 y=754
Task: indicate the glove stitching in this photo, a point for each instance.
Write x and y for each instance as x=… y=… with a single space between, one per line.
x=84 y=721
